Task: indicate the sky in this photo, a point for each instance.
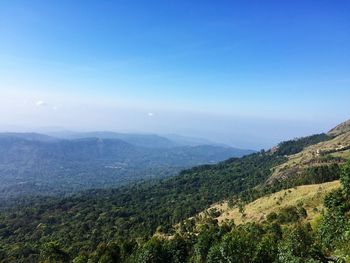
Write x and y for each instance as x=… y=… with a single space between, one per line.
x=247 y=73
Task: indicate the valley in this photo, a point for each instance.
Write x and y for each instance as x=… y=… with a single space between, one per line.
x=37 y=164
x=157 y=219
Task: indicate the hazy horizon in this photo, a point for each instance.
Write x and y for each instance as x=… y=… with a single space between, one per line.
x=238 y=138
x=245 y=74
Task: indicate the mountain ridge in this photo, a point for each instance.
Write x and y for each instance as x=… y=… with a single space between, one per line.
x=69 y=165
x=342 y=128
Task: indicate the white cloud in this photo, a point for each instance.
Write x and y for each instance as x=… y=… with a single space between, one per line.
x=150 y=114
x=41 y=103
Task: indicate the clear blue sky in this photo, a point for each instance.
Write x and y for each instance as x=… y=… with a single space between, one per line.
x=248 y=73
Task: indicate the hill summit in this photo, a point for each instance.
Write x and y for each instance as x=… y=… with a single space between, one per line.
x=340 y=129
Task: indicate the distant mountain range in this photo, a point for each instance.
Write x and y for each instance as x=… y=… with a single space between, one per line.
x=143 y=140
x=32 y=163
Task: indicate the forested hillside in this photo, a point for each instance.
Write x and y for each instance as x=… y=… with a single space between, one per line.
x=39 y=164
x=118 y=225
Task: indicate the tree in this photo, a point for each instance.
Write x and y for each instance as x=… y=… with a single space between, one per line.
x=298 y=245
x=237 y=246
x=151 y=252
x=334 y=228
x=177 y=249
x=214 y=254
x=241 y=208
x=345 y=179
x=52 y=252
x=106 y=253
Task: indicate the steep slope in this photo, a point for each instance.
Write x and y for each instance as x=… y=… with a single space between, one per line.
x=335 y=150
x=310 y=160
x=340 y=129
x=310 y=196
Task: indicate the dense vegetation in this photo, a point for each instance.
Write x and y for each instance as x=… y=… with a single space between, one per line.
x=282 y=237
x=312 y=175
x=39 y=164
x=297 y=145
x=137 y=211
x=117 y=225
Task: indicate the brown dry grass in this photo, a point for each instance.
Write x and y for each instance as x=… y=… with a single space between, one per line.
x=310 y=195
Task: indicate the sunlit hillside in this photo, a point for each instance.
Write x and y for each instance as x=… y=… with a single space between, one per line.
x=309 y=196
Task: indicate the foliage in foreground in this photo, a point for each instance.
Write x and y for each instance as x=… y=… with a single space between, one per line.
x=117 y=225
x=283 y=237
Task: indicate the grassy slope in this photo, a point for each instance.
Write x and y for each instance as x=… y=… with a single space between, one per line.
x=340 y=129
x=310 y=195
x=311 y=156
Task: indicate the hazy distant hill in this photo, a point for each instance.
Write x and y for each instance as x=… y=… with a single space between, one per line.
x=27 y=136
x=191 y=141
x=143 y=140
x=31 y=163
